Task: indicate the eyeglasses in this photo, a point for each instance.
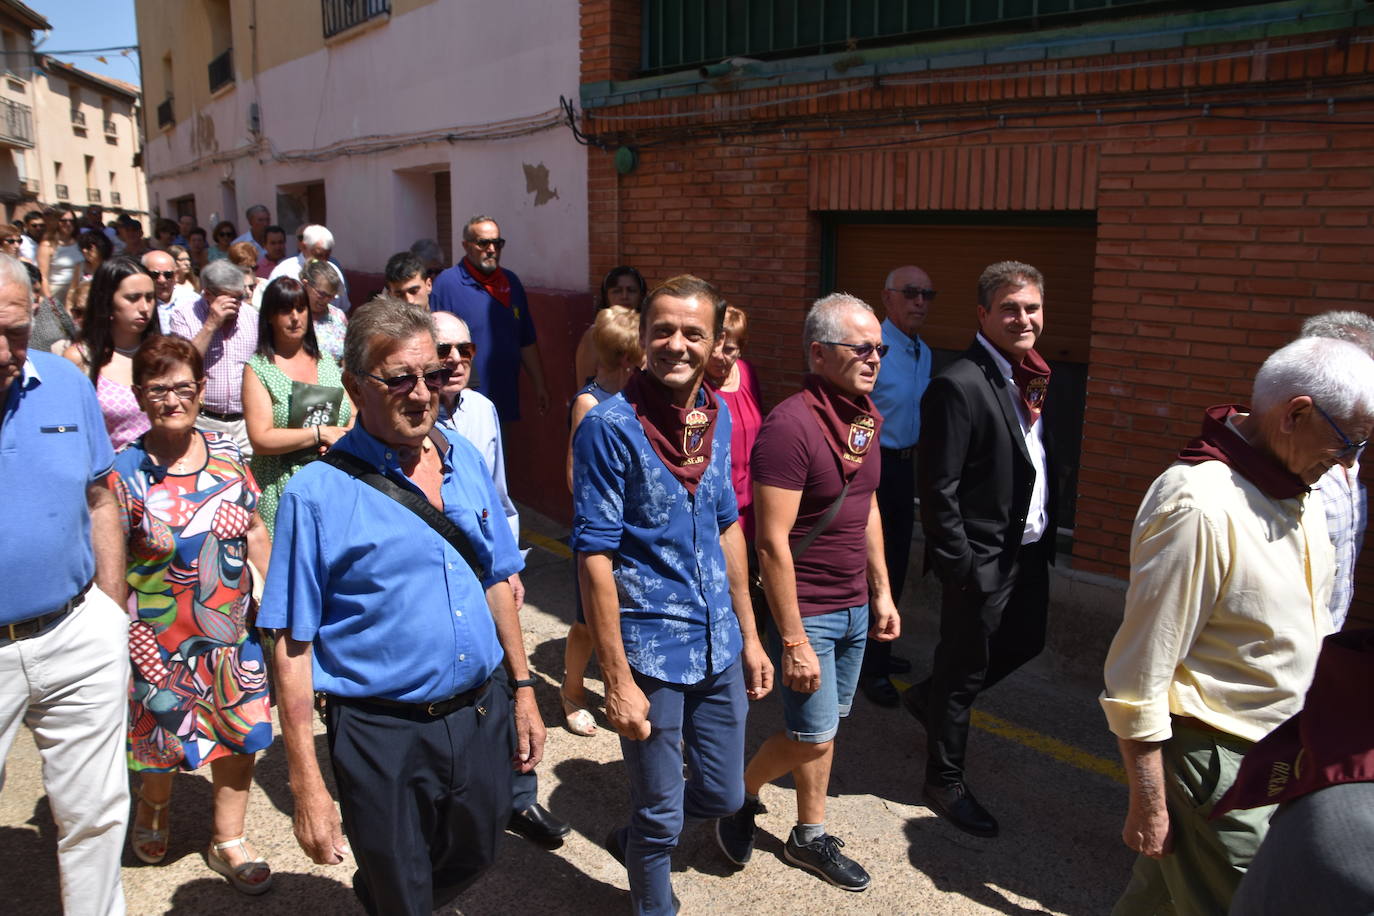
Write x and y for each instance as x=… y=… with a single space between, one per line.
x=226 y=234
x=862 y=351
x=466 y=349
x=321 y=293
x=158 y=393
x=402 y=385
x=164 y=274
x=11 y=240
x=1351 y=449
x=911 y=292
x=498 y=243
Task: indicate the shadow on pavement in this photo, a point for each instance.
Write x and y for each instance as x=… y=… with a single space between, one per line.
x=271 y=775
x=37 y=882
x=290 y=893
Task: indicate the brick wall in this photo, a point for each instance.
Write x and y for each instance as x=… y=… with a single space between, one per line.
x=1219 y=228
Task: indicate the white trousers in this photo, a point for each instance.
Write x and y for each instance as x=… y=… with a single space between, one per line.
x=70 y=685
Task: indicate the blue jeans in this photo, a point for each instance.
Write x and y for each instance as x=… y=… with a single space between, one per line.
x=703 y=723
x=838 y=639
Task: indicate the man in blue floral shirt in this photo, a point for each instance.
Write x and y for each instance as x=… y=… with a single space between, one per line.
x=662 y=570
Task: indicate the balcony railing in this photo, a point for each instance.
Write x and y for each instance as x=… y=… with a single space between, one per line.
x=28 y=185
x=110 y=128
x=222 y=70
x=16 y=123
x=164 y=113
x=62 y=192
x=115 y=199
x=78 y=118
x=92 y=195
x=342 y=15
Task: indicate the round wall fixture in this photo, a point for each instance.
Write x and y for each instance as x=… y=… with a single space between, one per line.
x=626 y=159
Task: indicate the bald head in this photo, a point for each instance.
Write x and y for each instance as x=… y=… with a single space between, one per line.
x=451 y=333
x=907 y=294
x=164 y=270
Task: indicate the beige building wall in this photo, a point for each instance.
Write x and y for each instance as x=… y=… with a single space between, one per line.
x=18 y=162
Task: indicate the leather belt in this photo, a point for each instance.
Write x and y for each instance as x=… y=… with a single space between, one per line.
x=23 y=629
x=901 y=454
x=222 y=417
x=435 y=710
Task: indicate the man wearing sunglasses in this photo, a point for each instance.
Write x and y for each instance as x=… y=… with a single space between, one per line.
x=162 y=268
x=400 y=636
x=492 y=301
x=907 y=296
x=33 y=234
x=1227 y=607
x=984 y=472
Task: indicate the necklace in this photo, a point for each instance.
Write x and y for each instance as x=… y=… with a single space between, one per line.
x=126 y=351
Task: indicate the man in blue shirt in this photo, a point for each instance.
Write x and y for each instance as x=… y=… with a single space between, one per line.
x=662 y=570
x=381 y=615
x=64 y=643
x=907 y=296
x=492 y=301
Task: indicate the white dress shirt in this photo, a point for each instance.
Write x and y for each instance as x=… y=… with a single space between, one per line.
x=1037 y=514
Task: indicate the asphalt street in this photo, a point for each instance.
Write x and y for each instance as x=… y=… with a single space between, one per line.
x=1040 y=759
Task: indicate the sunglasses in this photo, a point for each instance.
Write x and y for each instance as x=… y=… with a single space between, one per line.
x=498 y=244
x=402 y=385
x=164 y=274
x=11 y=240
x=911 y=292
x=862 y=351
x=466 y=349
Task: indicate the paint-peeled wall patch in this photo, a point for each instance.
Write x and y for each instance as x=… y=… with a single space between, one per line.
x=537 y=183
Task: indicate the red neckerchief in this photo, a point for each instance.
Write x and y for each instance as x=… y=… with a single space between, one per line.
x=1032 y=378
x=850 y=425
x=1330 y=741
x=680 y=436
x=496 y=283
x=1219 y=442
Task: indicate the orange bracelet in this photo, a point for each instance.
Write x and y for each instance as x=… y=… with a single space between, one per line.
x=792 y=645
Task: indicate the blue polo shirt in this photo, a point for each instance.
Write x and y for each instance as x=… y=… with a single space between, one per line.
x=498 y=332
x=676 y=617
x=53 y=445
x=902 y=380
x=393 y=610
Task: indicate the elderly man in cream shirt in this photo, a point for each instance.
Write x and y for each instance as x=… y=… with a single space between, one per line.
x=1231 y=572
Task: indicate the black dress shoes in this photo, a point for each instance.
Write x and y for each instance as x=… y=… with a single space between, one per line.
x=537 y=825
x=879 y=690
x=958 y=806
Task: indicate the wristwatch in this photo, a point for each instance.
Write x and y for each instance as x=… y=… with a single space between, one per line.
x=526 y=682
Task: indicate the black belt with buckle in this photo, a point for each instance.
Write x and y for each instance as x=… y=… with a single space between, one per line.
x=901 y=454
x=23 y=629
x=222 y=417
x=435 y=710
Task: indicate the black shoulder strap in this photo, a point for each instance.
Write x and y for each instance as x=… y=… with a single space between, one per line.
x=822 y=523
x=356 y=467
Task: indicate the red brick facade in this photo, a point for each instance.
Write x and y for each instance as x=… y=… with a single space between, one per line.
x=1230 y=197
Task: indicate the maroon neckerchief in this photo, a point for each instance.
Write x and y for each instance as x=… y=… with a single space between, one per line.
x=1219 y=442
x=496 y=283
x=1032 y=378
x=1331 y=741
x=680 y=436
x=850 y=425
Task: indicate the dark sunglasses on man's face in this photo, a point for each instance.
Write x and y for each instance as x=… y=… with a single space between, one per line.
x=911 y=292
x=498 y=244
x=402 y=385
x=11 y=240
x=465 y=349
x=164 y=274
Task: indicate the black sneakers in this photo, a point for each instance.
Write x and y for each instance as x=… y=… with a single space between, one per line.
x=735 y=832
x=822 y=855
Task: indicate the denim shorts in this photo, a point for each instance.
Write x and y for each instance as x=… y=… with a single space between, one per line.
x=838 y=640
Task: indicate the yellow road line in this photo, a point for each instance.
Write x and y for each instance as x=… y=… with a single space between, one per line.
x=548 y=544
x=1050 y=747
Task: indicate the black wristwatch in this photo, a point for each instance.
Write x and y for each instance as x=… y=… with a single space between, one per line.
x=525 y=682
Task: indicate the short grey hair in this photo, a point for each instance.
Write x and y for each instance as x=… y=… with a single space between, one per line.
x=428 y=251
x=474 y=220
x=1356 y=327
x=394 y=320
x=222 y=276
x=823 y=321
x=321 y=273
x=315 y=234
x=1336 y=374
x=14 y=273
x=256 y=208
x=1007 y=273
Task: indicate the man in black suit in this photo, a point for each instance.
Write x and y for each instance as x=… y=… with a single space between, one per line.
x=987 y=508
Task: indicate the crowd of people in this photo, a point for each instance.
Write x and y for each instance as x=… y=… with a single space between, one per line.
x=242 y=478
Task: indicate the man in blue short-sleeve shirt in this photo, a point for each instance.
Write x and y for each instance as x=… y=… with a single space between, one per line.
x=64 y=645
x=382 y=616
x=492 y=301
x=662 y=570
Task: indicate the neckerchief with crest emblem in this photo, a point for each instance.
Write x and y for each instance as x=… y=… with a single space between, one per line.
x=850 y=425
x=680 y=436
x=1032 y=378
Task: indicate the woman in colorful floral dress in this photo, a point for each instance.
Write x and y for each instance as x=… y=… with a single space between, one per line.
x=199 y=691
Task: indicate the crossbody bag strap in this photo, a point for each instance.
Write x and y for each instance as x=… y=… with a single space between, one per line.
x=822 y=523
x=441 y=523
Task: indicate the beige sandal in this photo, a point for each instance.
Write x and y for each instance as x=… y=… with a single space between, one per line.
x=578 y=719
x=156 y=836
x=237 y=874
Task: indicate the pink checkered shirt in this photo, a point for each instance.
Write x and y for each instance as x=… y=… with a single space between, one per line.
x=229 y=350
